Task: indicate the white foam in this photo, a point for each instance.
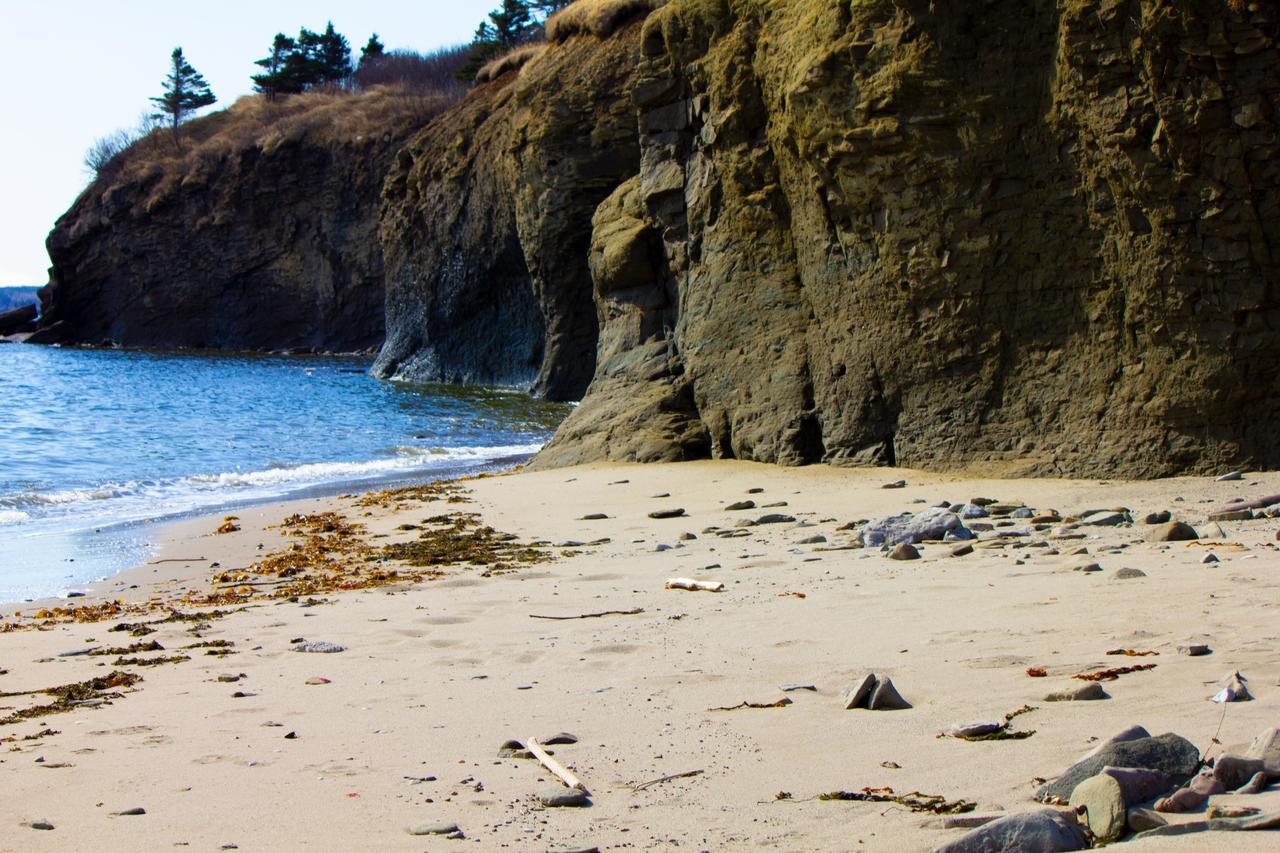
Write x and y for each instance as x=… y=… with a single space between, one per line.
x=13 y=516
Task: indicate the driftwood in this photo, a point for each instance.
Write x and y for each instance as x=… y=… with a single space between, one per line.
x=694 y=585
x=177 y=560
x=659 y=781
x=635 y=612
x=557 y=769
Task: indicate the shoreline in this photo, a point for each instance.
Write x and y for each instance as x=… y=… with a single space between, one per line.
x=438 y=673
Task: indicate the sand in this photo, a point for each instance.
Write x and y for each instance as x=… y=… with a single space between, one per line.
x=437 y=675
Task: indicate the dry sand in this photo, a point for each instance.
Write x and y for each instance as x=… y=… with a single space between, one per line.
x=437 y=675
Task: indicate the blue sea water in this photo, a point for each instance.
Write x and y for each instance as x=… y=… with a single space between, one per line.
x=96 y=446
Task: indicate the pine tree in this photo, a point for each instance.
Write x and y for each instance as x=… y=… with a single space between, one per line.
x=274 y=81
x=332 y=56
x=185 y=91
x=371 y=52
x=512 y=23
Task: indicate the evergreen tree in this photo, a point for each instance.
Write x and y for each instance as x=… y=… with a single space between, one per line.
x=512 y=23
x=371 y=53
x=185 y=91
x=273 y=80
x=332 y=57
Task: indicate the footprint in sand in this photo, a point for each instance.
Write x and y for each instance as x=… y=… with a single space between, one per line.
x=445 y=620
x=615 y=649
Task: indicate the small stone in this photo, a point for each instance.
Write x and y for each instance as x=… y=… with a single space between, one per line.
x=1222 y=810
x=791 y=688
x=1171 y=531
x=887 y=698
x=438 y=828
x=1212 y=530
x=561 y=797
x=511 y=749
x=1231 y=477
x=1234 y=771
x=904 y=551
x=812 y=540
x=1104 y=518
x=1162 y=517
x=40 y=824
x=974 y=729
x=1210 y=559
x=667 y=513
x=755 y=491
x=559 y=739
x=1022 y=512
x=962 y=550
x=775 y=518
x=317 y=680
x=595 y=516
x=1129 y=574
x=1256 y=785
x=133 y=812
x=1103 y=803
x=1233 y=689
x=1088 y=566
x=739 y=505
x=896 y=484
x=687 y=537
x=1232 y=515
x=1140 y=819
x=1194 y=650
x=322 y=647
x=1088 y=692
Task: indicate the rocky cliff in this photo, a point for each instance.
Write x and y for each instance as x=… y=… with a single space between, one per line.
x=256 y=230
x=1038 y=234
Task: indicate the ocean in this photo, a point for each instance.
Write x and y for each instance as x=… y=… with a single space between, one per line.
x=97 y=447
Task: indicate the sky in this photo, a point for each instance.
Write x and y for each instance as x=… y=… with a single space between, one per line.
x=80 y=70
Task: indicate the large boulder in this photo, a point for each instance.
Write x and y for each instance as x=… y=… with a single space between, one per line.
x=1042 y=831
x=1170 y=754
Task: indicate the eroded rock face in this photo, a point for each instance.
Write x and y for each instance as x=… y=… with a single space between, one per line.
x=487 y=224
x=1031 y=233
x=252 y=249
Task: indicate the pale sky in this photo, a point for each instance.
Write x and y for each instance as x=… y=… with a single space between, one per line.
x=80 y=69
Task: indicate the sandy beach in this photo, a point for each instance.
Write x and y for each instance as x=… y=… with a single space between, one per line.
x=266 y=748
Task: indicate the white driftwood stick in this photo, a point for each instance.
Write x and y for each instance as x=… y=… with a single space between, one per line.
x=561 y=772
x=695 y=586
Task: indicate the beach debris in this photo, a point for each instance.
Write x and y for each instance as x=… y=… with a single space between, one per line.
x=1218 y=810
x=229 y=525
x=667 y=513
x=1037 y=672
x=637 y=611
x=437 y=828
x=890 y=765
x=792 y=595
x=915 y=801
x=1230 y=477
x=1171 y=755
x=1113 y=673
x=317 y=680
x=158 y=661
x=1131 y=653
x=781 y=703
x=1234 y=689
x=932 y=523
x=69 y=697
x=1089 y=692
x=557 y=769
x=321 y=647
x=876 y=694
x=558 y=797
x=904 y=551
x=668 y=778
x=1046 y=829
x=695 y=585
x=1102 y=802
x=134 y=648
x=1171 y=531
x=791 y=688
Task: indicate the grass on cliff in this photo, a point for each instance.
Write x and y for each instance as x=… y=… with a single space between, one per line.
x=601 y=18
x=511 y=61
x=337 y=117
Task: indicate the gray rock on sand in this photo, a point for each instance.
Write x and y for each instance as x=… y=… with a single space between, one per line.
x=1194 y=650
x=561 y=797
x=857 y=695
x=740 y=505
x=437 y=828
x=1174 y=756
x=1140 y=820
x=1202 y=787
x=1231 y=477
x=1128 y=574
x=1104 y=518
x=875 y=693
x=1102 y=800
x=1234 y=689
x=1137 y=784
x=1171 y=531
x=896 y=484
x=1087 y=692
x=559 y=739
x=1044 y=830
x=40 y=824
x=812 y=540
x=775 y=518
x=1267 y=747
x=962 y=550
x=1162 y=517
x=974 y=729
x=322 y=647
x=1234 y=771
x=904 y=551
x=1256 y=785
x=932 y=523
x=667 y=513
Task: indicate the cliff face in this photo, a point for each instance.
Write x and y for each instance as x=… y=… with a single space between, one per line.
x=259 y=233
x=1030 y=233
x=487 y=222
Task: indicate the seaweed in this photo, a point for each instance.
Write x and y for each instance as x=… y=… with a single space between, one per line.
x=150 y=646
x=68 y=696
x=1113 y=674
x=915 y=801
x=163 y=659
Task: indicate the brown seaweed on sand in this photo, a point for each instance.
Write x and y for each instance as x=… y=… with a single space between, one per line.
x=69 y=696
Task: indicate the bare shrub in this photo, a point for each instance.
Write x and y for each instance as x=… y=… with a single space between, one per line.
x=436 y=71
